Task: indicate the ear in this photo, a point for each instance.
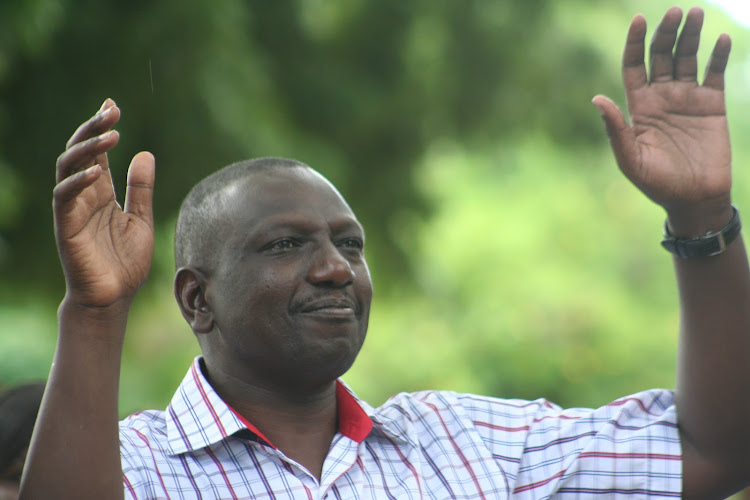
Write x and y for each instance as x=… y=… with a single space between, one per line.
x=190 y=292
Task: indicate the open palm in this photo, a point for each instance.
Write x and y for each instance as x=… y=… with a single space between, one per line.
x=676 y=149
x=106 y=250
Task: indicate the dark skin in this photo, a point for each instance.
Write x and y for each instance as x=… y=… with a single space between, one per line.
x=294 y=250
x=676 y=151
x=106 y=253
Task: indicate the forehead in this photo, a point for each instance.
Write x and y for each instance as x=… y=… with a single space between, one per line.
x=273 y=194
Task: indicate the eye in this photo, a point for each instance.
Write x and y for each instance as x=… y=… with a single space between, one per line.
x=355 y=243
x=283 y=244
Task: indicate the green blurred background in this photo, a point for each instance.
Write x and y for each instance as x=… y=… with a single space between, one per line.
x=509 y=255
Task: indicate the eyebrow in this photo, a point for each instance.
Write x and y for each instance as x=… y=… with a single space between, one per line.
x=287 y=222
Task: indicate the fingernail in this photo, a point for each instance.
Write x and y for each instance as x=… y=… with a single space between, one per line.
x=104 y=104
x=90 y=170
x=106 y=135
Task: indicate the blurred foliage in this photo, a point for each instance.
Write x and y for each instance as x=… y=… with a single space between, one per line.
x=357 y=89
x=509 y=255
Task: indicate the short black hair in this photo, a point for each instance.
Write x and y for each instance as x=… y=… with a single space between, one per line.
x=18 y=409
x=197 y=220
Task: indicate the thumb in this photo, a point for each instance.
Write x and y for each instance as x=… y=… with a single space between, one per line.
x=140 y=190
x=621 y=136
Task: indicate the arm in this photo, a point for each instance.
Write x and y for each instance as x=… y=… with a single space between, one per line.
x=677 y=152
x=106 y=255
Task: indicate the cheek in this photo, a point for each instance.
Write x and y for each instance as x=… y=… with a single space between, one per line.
x=267 y=298
x=278 y=282
x=260 y=295
x=364 y=285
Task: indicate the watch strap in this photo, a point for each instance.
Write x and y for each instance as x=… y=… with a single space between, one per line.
x=708 y=245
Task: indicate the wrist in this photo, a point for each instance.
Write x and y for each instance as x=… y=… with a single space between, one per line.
x=709 y=244
x=694 y=221
x=106 y=324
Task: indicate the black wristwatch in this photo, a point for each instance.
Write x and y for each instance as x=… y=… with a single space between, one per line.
x=703 y=246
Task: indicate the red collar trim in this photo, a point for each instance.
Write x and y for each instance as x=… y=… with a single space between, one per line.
x=353 y=421
x=252 y=428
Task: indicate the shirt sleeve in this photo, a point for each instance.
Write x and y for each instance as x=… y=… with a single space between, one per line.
x=132 y=466
x=630 y=447
x=140 y=456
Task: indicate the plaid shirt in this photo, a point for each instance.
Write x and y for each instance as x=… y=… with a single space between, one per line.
x=421 y=445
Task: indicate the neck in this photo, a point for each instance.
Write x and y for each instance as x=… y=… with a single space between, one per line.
x=300 y=423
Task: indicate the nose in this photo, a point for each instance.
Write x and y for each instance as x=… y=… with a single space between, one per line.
x=330 y=268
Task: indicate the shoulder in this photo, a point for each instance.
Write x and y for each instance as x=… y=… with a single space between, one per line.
x=543 y=448
x=470 y=420
x=453 y=405
x=645 y=416
x=142 y=432
x=143 y=445
x=650 y=404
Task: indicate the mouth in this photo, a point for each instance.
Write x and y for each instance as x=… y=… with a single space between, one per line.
x=330 y=307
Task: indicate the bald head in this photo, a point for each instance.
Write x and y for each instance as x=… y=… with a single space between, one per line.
x=200 y=214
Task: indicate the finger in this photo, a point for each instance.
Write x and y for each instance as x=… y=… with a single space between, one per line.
x=662 y=43
x=97 y=126
x=685 y=59
x=70 y=187
x=633 y=66
x=717 y=63
x=139 y=194
x=621 y=136
x=84 y=154
x=102 y=121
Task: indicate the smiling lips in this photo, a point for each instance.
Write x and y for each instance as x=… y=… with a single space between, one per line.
x=339 y=307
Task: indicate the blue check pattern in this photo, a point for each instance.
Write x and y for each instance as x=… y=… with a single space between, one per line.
x=434 y=445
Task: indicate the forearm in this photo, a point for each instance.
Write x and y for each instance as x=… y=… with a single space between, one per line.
x=714 y=354
x=75 y=449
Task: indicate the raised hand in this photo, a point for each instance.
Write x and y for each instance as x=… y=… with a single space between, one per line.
x=676 y=149
x=105 y=251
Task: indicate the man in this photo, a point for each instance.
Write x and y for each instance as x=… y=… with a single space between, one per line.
x=273 y=281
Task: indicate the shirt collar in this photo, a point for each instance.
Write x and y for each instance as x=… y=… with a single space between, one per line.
x=197 y=417
x=360 y=418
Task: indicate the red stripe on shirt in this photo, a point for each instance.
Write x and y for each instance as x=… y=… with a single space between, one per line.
x=632 y=456
x=222 y=472
x=457 y=449
x=206 y=400
x=537 y=484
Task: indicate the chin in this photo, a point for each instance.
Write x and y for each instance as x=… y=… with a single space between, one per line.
x=327 y=364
